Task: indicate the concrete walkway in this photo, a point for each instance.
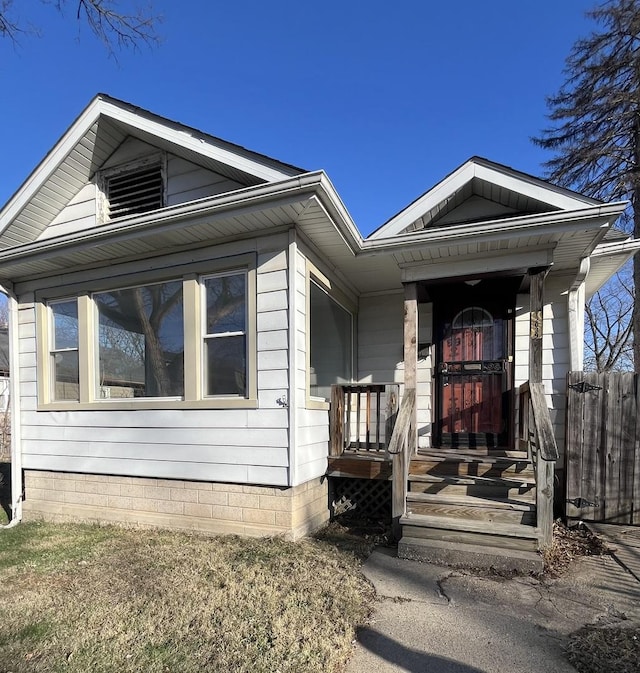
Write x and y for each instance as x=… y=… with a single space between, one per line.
x=430 y=619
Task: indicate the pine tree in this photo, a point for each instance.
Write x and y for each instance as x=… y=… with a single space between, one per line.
x=595 y=129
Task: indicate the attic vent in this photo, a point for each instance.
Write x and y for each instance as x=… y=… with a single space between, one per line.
x=135 y=191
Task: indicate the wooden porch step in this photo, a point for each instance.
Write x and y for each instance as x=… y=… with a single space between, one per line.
x=480 y=453
x=469 y=507
x=526 y=493
x=502 y=535
x=473 y=466
x=418 y=473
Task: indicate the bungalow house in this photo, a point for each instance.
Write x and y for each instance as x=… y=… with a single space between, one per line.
x=202 y=339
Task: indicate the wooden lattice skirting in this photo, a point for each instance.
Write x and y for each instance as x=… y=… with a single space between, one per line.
x=364 y=498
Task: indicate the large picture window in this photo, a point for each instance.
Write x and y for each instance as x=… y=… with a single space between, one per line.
x=141 y=341
x=181 y=343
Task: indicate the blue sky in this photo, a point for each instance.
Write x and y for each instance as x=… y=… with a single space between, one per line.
x=387 y=98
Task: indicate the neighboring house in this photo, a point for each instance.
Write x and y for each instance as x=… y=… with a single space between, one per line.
x=185 y=307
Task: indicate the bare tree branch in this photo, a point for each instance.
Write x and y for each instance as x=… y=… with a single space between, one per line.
x=118 y=24
x=595 y=137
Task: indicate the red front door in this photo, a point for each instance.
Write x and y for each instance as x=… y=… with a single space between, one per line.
x=474 y=371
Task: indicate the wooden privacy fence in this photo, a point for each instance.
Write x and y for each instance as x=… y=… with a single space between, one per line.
x=603 y=447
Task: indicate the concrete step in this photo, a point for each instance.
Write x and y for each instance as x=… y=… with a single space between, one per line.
x=477 y=508
x=464 y=555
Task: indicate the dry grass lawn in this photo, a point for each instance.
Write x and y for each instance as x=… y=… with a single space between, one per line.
x=86 y=598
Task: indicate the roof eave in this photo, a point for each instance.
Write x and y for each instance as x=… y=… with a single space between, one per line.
x=598 y=216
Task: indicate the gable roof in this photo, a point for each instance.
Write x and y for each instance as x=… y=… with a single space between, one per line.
x=272 y=196
x=495 y=191
x=99 y=130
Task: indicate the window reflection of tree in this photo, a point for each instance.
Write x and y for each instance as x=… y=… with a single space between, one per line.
x=141 y=337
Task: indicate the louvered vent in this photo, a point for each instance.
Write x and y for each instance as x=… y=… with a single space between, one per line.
x=135 y=192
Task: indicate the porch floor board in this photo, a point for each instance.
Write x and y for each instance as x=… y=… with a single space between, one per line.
x=359 y=465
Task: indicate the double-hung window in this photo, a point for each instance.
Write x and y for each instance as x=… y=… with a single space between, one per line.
x=63 y=353
x=225 y=334
x=184 y=342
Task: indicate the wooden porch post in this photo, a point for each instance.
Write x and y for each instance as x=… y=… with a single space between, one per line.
x=544 y=468
x=401 y=459
x=536 y=290
x=410 y=334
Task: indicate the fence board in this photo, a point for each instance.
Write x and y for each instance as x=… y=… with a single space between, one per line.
x=602 y=459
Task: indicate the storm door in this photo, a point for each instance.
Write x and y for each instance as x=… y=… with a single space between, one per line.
x=473 y=375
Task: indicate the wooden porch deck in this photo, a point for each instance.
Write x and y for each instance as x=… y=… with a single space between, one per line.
x=450 y=503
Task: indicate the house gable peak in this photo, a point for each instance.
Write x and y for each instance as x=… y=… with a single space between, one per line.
x=481 y=190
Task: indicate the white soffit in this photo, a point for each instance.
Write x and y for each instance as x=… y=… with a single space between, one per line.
x=606 y=260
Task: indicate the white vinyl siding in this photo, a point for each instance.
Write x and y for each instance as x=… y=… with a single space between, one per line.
x=225 y=445
x=380 y=351
x=312 y=424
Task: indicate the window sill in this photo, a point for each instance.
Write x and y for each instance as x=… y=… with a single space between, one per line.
x=127 y=405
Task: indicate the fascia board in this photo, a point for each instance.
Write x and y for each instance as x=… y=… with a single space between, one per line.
x=626 y=248
x=50 y=163
x=292 y=189
x=338 y=214
x=555 y=222
x=237 y=158
x=482 y=169
x=531 y=187
x=420 y=206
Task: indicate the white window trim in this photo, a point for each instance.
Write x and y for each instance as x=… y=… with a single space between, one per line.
x=193 y=343
x=52 y=350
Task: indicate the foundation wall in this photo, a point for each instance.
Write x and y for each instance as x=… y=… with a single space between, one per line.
x=175 y=504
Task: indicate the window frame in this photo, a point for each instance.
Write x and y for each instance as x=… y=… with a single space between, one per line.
x=52 y=350
x=315 y=276
x=205 y=335
x=193 y=397
x=96 y=340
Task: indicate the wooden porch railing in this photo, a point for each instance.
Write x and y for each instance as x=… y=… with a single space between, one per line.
x=536 y=432
x=362 y=417
x=401 y=447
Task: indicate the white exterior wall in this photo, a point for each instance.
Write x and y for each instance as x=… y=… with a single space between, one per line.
x=312 y=432
x=380 y=351
x=185 y=182
x=224 y=445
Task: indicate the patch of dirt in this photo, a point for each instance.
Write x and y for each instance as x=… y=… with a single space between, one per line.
x=569 y=543
x=594 y=649
x=356 y=534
